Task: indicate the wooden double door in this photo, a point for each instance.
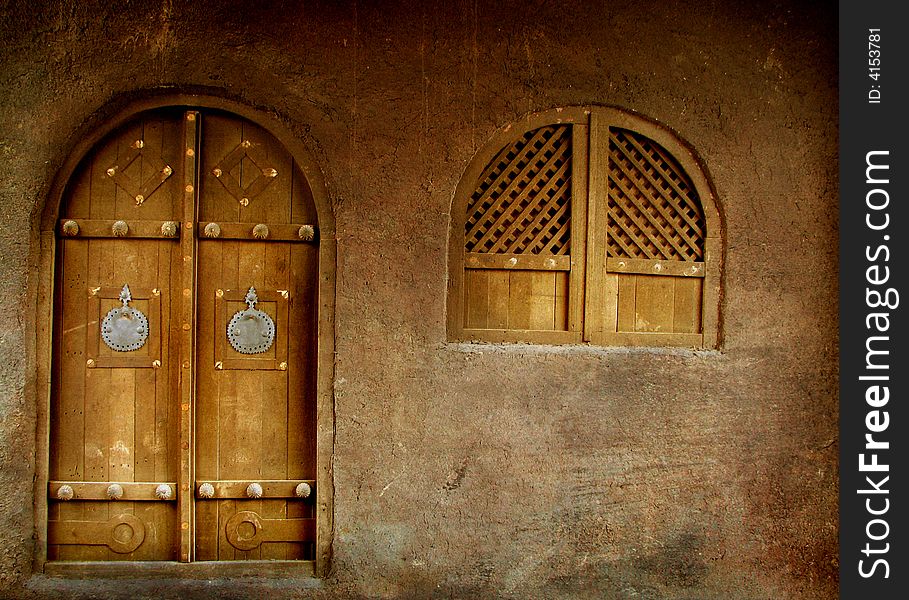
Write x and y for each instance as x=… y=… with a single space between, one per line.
x=182 y=421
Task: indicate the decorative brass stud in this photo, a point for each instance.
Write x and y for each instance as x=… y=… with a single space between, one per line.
x=212 y=230
x=246 y=143
x=156 y=364
x=167 y=170
x=254 y=490
x=206 y=490
x=163 y=492
x=260 y=231
x=190 y=152
x=119 y=228
x=219 y=293
x=244 y=201
x=270 y=172
x=284 y=294
x=216 y=172
x=169 y=228
x=303 y=490
x=307 y=233
x=156 y=292
x=65 y=492
x=191 y=116
x=189 y=189
x=90 y=363
x=219 y=365
x=282 y=366
x=139 y=144
x=139 y=199
x=657 y=267
x=114 y=491
x=112 y=171
x=70 y=228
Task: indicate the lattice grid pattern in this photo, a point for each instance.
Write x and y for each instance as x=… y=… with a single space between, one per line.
x=522 y=202
x=654 y=210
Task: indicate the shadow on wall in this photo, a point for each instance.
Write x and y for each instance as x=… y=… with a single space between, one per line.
x=679 y=565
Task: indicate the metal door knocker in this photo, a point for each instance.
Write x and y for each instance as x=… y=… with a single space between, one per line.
x=251 y=331
x=124 y=328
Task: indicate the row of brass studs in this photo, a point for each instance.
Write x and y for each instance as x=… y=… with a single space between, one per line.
x=219 y=365
x=169 y=230
x=115 y=492
x=254 y=490
x=90 y=363
x=120 y=228
x=260 y=231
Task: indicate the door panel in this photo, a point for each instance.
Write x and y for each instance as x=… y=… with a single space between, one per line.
x=111 y=409
x=119 y=418
x=110 y=418
x=255 y=411
x=254 y=424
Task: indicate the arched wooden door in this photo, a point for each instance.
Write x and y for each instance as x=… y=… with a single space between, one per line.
x=183 y=399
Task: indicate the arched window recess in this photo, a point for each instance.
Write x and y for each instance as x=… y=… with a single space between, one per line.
x=585 y=225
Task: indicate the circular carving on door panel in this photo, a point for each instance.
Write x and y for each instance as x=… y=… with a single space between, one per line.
x=241 y=537
x=127 y=533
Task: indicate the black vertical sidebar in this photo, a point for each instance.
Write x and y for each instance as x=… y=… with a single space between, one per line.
x=873 y=59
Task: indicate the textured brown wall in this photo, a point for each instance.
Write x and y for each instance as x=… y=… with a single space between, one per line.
x=481 y=471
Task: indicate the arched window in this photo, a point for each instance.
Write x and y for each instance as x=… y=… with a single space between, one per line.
x=188 y=396
x=585 y=225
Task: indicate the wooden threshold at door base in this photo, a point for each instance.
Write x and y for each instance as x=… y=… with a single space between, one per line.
x=168 y=569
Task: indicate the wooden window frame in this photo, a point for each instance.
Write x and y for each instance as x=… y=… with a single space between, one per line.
x=42 y=320
x=587 y=266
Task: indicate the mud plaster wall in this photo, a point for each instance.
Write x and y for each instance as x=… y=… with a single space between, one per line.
x=487 y=471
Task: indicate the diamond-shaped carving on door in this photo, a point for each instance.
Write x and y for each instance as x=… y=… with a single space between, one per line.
x=243 y=173
x=124 y=170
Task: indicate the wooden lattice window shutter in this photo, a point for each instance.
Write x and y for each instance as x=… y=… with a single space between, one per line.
x=585 y=225
x=654 y=210
x=522 y=202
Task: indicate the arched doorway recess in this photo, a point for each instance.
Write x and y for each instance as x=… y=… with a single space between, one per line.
x=189 y=360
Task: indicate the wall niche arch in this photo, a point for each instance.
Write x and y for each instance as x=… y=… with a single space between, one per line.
x=585 y=225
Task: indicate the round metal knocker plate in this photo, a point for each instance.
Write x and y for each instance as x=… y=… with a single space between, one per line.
x=124 y=328
x=251 y=331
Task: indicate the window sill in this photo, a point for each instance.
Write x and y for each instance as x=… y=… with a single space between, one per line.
x=576 y=348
